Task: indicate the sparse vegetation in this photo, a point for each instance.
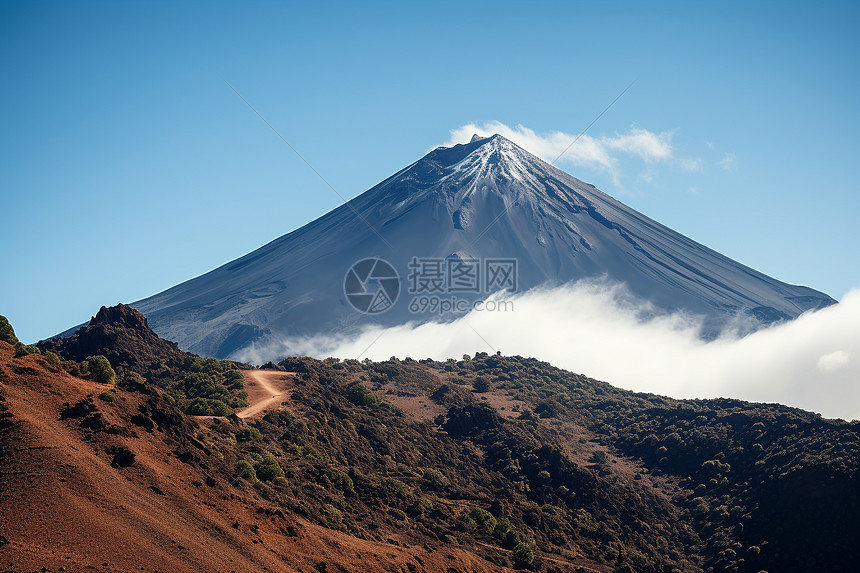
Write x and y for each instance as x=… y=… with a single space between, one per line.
x=100 y=369
x=246 y=471
x=524 y=554
x=547 y=499
x=631 y=482
x=108 y=396
x=22 y=349
x=206 y=407
x=205 y=390
x=7 y=333
x=268 y=468
x=361 y=396
x=248 y=435
x=136 y=349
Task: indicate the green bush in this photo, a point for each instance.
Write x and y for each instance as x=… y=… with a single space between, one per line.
x=396 y=486
x=7 y=333
x=245 y=470
x=100 y=368
x=361 y=396
x=234 y=379
x=484 y=520
x=206 y=407
x=22 y=349
x=248 y=435
x=268 y=468
x=52 y=357
x=338 y=478
x=107 y=396
x=524 y=554
x=212 y=365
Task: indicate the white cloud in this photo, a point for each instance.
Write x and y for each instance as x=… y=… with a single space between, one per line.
x=647 y=145
x=691 y=163
x=600 y=153
x=729 y=162
x=833 y=361
x=593 y=329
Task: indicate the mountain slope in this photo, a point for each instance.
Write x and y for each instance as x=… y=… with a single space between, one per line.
x=479 y=464
x=488 y=199
x=68 y=500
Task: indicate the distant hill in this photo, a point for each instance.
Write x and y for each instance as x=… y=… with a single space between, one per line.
x=482 y=464
x=122 y=334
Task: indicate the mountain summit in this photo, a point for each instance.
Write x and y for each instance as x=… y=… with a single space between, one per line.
x=484 y=201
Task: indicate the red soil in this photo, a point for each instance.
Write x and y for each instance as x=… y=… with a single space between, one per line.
x=62 y=504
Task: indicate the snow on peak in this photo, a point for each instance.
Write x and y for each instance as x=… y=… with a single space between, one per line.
x=496 y=157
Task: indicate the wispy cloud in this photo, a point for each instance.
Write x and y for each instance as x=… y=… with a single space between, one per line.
x=729 y=162
x=691 y=163
x=593 y=328
x=601 y=152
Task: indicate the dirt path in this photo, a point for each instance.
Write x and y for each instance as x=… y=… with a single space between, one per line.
x=266 y=389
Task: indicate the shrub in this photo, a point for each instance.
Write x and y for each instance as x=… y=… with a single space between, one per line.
x=192 y=364
x=332 y=512
x=361 y=396
x=234 y=379
x=435 y=477
x=22 y=349
x=505 y=534
x=207 y=407
x=268 y=468
x=338 y=478
x=396 y=486
x=484 y=520
x=7 y=333
x=245 y=470
x=133 y=379
x=481 y=384
x=524 y=554
x=312 y=453
x=107 y=396
x=100 y=368
x=212 y=365
x=248 y=435
x=240 y=400
x=52 y=357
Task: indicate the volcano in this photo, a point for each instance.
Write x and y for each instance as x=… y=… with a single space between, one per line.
x=500 y=217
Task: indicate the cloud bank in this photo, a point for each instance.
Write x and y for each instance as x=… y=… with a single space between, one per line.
x=812 y=362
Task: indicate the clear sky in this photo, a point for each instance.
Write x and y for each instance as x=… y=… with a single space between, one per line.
x=127 y=165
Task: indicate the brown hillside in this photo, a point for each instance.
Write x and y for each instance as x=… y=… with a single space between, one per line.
x=479 y=464
x=68 y=497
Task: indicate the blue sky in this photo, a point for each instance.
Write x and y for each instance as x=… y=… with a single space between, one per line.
x=129 y=165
